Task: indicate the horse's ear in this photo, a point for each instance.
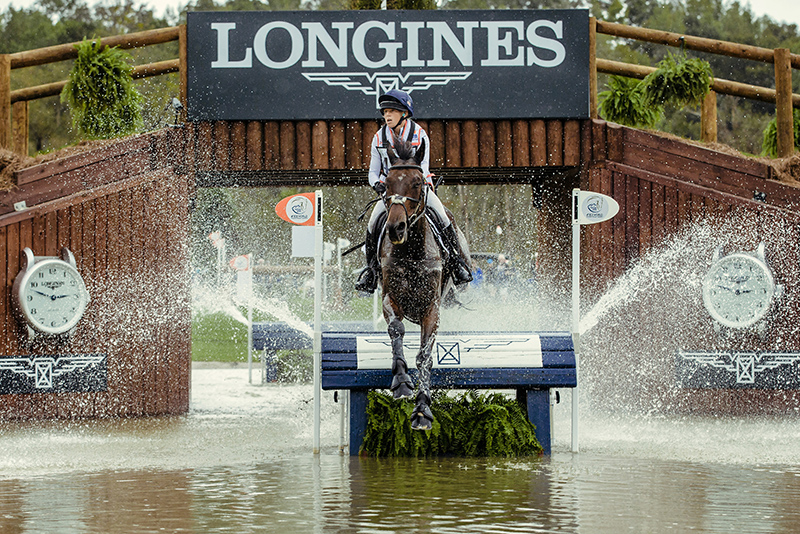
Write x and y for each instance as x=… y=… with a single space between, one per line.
x=419 y=155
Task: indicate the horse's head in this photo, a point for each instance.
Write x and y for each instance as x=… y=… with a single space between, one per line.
x=405 y=190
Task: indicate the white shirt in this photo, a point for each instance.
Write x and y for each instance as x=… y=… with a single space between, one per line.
x=379 y=159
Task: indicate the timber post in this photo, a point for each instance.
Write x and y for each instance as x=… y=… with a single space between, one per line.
x=19 y=127
x=783 y=102
x=708 y=118
x=593 y=68
x=5 y=101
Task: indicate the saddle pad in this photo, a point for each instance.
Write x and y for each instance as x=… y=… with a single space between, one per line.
x=374 y=351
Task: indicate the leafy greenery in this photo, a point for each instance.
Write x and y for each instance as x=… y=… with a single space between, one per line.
x=770 y=144
x=393 y=4
x=470 y=424
x=100 y=92
x=678 y=82
x=624 y=103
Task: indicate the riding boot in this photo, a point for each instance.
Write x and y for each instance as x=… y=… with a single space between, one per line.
x=460 y=269
x=368 y=279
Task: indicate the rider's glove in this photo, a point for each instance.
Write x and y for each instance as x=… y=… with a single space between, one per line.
x=379 y=188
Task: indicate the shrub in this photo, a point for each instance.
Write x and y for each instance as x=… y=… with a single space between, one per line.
x=624 y=103
x=100 y=92
x=678 y=82
x=769 y=146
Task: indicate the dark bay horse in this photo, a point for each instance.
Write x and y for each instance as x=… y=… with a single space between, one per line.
x=414 y=276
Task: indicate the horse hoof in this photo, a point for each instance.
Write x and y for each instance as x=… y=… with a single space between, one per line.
x=421 y=417
x=402 y=386
x=403 y=391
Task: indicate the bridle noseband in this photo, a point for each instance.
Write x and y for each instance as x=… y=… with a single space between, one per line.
x=391 y=200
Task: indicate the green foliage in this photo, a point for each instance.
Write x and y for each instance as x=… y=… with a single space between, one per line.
x=770 y=143
x=624 y=103
x=100 y=92
x=678 y=82
x=470 y=424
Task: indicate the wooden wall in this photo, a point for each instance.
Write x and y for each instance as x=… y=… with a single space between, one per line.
x=666 y=187
x=125 y=218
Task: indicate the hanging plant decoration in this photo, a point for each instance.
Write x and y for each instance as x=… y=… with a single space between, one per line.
x=470 y=424
x=769 y=146
x=100 y=93
x=624 y=103
x=678 y=82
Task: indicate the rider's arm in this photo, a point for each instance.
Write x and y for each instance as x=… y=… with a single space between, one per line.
x=375 y=162
x=426 y=161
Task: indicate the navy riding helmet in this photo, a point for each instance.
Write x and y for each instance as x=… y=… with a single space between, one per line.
x=396 y=99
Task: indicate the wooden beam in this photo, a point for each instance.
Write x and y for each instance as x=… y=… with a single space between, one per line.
x=593 y=68
x=62 y=52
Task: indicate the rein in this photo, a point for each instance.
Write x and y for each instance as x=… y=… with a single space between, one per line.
x=400 y=199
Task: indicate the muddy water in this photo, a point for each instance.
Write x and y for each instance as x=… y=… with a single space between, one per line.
x=241 y=462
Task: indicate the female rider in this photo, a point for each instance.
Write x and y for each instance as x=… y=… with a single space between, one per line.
x=397 y=108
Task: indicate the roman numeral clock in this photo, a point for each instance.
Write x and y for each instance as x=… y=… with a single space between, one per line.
x=49 y=294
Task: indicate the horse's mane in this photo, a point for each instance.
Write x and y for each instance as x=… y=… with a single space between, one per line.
x=405 y=151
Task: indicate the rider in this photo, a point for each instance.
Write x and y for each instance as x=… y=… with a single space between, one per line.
x=397 y=108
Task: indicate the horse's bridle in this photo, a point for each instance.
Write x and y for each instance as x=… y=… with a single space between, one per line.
x=391 y=200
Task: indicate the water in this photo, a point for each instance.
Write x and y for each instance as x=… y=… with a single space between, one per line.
x=241 y=461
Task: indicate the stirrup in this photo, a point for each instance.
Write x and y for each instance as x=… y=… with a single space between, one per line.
x=367 y=281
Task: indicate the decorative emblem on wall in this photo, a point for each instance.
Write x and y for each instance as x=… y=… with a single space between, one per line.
x=726 y=369
x=71 y=373
x=378 y=83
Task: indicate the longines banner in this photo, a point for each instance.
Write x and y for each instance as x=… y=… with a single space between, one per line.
x=334 y=64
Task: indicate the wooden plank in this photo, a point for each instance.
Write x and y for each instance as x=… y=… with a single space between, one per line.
x=487 y=144
x=452 y=142
x=222 y=145
x=607 y=228
x=586 y=128
x=352 y=146
x=572 y=143
x=303 y=144
x=122 y=362
x=631 y=219
x=254 y=152
x=619 y=192
x=691 y=151
x=139 y=143
x=238 y=149
x=670 y=209
x=288 y=146
x=438 y=151
x=555 y=142
x=7 y=326
x=658 y=213
x=368 y=130
x=469 y=144
x=336 y=146
x=505 y=144
x=521 y=143
x=204 y=152
x=320 y=145
x=538 y=143
x=272 y=145
x=599 y=142
x=684 y=209
x=645 y=217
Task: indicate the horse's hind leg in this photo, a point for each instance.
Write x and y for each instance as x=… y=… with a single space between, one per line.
x=402 y=386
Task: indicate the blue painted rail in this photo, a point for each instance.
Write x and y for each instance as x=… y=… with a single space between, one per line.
x=531 y=363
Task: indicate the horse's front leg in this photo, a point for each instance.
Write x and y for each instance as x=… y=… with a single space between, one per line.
x=402 y=386
x=422 y=417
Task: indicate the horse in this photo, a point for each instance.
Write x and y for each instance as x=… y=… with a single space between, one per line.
x=414 y=275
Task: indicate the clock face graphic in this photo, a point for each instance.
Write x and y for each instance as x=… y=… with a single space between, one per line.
x=738 y=290
x=50 y=295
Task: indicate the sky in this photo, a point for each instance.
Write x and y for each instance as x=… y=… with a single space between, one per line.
x=786 y=11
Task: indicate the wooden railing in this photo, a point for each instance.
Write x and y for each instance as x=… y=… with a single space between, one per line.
x=14 y=104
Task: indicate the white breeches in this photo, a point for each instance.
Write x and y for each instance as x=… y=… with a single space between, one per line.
x=433 y=202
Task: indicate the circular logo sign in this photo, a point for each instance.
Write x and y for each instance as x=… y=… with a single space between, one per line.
x=297 y=209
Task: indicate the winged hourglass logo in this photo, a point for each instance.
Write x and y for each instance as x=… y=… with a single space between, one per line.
x=41 y=373
x=746 y=366
x=378 y=83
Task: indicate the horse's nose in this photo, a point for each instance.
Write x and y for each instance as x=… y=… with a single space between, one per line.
x=397 y=233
